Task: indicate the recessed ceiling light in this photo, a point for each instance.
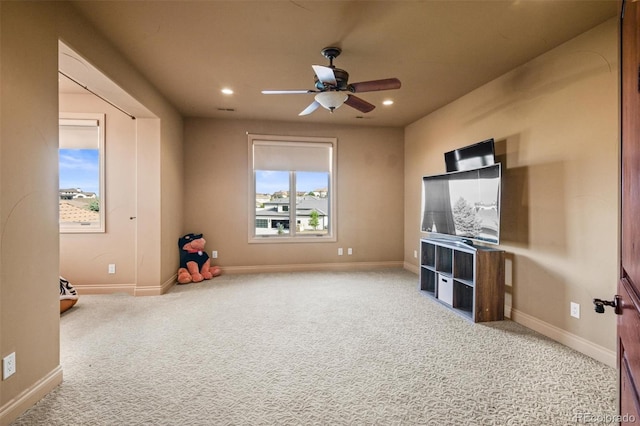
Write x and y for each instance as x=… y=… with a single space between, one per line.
x=387 y=102
x=227 y=91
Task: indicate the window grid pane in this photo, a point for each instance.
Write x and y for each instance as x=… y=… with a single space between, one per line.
x=272 y=203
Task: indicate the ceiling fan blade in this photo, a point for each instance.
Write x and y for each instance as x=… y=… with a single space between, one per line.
x=312 y=107
x=286 y=92
x=375 y=85
x=359 y=104
x=325 y=74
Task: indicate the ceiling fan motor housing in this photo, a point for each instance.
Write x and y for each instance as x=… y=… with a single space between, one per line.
x=342 y=79
x=331 y=52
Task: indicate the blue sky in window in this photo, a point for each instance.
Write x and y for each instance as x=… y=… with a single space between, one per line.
x=80 y=168
x=268 y=182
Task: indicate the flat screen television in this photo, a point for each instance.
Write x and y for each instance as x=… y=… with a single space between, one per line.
x=471 y=157
x=464 y=205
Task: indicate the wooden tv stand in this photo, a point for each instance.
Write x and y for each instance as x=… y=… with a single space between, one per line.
x=469 y=279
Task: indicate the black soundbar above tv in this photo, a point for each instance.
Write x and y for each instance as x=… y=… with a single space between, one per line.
x=471 y=157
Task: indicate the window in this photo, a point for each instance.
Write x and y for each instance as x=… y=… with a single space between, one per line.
x=292 y=190
x=81 y=172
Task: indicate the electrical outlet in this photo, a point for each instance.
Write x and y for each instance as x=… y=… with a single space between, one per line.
x=575 y=310
x=214 y=254
x=8 y=365
x=340 y=252
x=349 y=251
x=112 y=268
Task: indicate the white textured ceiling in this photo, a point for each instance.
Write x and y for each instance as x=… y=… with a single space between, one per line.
x=440 y=50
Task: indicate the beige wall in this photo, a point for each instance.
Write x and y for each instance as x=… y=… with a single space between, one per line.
x=159 y=152
x=133 y=165
x=84 y=257
x=29 y=301
x=29 y=249
x=369 y=195
x=555 y=121
x=172 y=204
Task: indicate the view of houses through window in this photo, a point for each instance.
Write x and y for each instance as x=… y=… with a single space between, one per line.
x=292 y=181
x=80 y=170
x=274 y=197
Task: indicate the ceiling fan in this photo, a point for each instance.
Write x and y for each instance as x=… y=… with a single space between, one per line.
x=333 y=89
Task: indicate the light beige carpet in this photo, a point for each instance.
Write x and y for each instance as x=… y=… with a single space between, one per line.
x=364 y=348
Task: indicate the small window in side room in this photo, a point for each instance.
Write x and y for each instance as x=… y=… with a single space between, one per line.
x=81 y=172
x=292 y=189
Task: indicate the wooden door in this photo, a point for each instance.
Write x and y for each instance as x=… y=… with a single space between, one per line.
x=628 y=306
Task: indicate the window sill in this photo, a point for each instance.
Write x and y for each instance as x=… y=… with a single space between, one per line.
x=289 y=240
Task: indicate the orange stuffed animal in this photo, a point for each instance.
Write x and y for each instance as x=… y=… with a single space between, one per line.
x=195 y=264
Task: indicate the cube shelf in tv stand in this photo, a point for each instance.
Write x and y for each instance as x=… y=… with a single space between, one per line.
x=467 y=279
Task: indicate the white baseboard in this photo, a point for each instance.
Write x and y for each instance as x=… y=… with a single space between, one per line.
x=130 y=289
x=412 y=268
x=156 y=290
x=25 y=400
x=169 y=283
x=578 y=343
x=347 y=266
x=104 y=288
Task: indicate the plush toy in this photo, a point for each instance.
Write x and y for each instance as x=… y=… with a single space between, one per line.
x=195 y=264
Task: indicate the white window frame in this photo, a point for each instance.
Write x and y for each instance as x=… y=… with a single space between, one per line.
x=331 y=235
x=68 y=117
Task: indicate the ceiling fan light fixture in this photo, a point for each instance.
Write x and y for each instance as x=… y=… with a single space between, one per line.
x=331 y=100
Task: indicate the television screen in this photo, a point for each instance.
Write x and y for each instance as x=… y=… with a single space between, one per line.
x=471 y=157
x=464 y=204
